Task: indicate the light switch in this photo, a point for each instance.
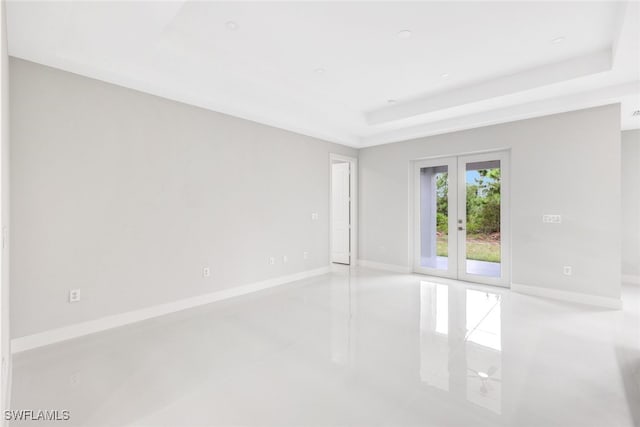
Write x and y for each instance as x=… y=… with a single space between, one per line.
x=552 y=219
x=74 y=295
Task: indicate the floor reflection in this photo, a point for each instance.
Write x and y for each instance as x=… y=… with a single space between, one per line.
x=356 y=348
x=341 y=321
x=461 y=343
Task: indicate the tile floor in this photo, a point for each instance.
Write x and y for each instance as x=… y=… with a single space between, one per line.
x=352 y=348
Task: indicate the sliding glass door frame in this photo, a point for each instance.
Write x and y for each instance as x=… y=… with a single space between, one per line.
x=457 y=226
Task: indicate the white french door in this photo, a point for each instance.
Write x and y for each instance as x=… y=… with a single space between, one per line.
x=461 y=228
x=435 y=213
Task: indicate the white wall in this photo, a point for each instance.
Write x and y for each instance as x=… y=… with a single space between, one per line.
x=631 y=204
x=127 y=196
x=566 y=164
x=5 y=341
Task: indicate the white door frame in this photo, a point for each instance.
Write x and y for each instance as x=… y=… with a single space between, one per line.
x=458 y=242
x=353 y=211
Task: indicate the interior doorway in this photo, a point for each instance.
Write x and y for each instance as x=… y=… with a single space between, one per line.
x=342 y=210
x=461 y=227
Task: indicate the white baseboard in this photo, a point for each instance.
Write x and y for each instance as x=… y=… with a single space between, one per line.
x=631 y=278
x=40 y=339
x=386 y=267
x=605 y=302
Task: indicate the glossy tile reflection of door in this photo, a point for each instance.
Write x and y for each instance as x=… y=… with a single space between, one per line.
x=461 y=344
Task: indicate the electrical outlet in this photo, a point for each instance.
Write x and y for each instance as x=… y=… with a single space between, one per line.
x=272 y=260
x=285 y=259
x=206 y=272
x=74 y=295
x=305 y=255
x=567 y=270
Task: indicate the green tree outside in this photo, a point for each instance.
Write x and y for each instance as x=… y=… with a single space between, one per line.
x=483 y=215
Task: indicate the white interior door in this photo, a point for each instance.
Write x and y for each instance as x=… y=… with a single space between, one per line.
x=461 y=225
x=340 y=213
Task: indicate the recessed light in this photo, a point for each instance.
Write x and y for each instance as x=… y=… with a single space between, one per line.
x=391 y=101
x=557 y=40
x=445 y=76
x=319 y=70
x=231 y=25
x=404 y=34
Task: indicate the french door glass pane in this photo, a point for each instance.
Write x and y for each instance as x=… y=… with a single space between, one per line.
x=483 y=241
x=434 y=214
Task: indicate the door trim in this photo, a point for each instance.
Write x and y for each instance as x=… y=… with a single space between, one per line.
x=353 y=208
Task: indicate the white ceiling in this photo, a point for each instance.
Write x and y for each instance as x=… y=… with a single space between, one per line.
x=500 y=58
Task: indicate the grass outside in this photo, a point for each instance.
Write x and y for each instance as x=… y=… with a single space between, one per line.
x=480 y=247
